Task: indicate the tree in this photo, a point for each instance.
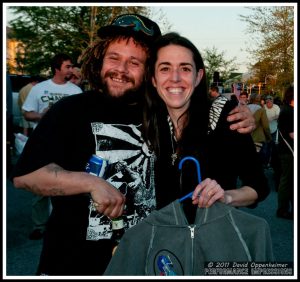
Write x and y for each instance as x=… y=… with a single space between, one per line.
x=215 y=61
x=272 y=33
x=46 y=30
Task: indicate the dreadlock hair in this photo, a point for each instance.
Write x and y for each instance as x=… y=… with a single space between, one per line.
x=92 y=58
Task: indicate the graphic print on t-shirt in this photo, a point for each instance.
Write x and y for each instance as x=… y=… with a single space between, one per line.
x=130 y=170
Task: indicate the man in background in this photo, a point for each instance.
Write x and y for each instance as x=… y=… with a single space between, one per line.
x=44 y=94
x=76 y=77
x=23 y=93
x=243 y=99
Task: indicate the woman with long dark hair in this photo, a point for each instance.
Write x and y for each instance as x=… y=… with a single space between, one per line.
x=180 y=121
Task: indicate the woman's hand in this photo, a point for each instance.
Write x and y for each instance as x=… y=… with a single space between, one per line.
x=208 y=192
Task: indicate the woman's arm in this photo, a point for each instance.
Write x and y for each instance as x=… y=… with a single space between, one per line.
x=209 y=191
x=241 y=197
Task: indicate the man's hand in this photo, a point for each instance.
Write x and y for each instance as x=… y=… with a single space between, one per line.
x=107 y=199
x=245 y=122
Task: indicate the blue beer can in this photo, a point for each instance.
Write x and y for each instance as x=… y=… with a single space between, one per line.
x=97 y=166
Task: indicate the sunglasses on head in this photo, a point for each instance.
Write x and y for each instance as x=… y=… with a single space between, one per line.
x=134 y=22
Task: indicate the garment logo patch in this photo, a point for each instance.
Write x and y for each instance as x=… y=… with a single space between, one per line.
x=167 y=263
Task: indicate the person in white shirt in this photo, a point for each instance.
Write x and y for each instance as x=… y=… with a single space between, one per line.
x=40 y=98
x=23 y=93
x=46 y=93
x=273 y=112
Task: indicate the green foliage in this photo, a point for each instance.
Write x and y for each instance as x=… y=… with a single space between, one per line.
x=215 y=61
x=271 y=30
x=46 y=30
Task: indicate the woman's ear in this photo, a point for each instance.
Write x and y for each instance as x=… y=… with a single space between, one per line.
x=153 y=81
x=199 y=76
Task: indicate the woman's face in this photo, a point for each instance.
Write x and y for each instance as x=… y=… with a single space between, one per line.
x=175 y=76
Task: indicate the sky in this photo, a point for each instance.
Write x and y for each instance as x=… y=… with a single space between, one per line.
x=209 y=27
x=206 y=25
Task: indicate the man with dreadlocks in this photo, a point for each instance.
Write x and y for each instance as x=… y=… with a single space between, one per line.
x=106 y=122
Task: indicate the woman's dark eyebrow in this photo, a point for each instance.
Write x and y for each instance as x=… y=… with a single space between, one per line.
x=181 y=64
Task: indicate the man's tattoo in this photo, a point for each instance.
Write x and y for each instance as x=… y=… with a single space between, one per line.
x=51 y=168
x=54 y=168
x=52 y=192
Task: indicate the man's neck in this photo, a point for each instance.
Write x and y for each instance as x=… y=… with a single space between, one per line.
x=58 y=80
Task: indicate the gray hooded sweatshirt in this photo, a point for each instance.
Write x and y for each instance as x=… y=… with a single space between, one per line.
x=165 y=244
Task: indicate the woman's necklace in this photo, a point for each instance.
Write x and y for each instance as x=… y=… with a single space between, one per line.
x=174 y=155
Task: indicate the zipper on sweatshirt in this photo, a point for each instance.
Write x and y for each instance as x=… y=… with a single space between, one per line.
x=192 y=230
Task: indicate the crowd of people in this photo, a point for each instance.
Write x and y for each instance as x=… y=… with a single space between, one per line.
x=274 y=140
x=147 y=108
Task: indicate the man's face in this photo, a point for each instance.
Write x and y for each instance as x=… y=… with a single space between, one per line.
x=269 y=103
x=213 y=93
x=243 y=99
x=123 y=67
x=76 y=76
x=76 y=80
x=66 y=70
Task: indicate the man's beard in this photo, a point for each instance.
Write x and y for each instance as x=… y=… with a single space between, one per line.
x=68 y=77
x=130 y=96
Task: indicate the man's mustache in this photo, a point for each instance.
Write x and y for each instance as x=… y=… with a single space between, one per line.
x=123 y=77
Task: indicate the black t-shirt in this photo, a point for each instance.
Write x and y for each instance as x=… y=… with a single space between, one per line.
x=72 y=131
